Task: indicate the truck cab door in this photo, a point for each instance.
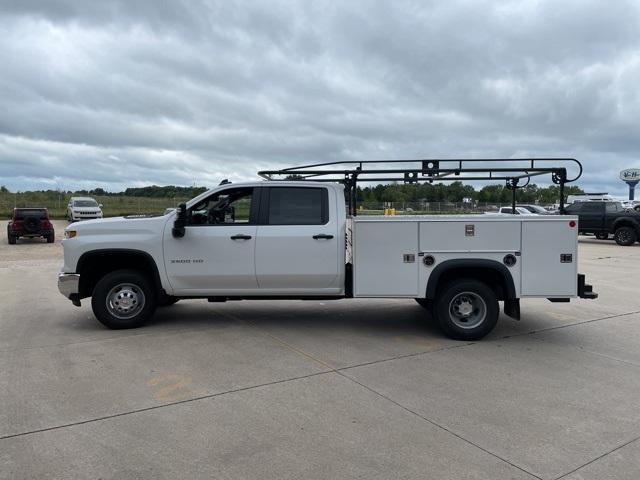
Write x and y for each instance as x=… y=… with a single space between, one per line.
x=298 y=246
x=216 y=254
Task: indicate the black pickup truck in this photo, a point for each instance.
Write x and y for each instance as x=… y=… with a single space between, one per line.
x=605 y=218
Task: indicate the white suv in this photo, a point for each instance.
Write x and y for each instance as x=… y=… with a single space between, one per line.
x=83 y=208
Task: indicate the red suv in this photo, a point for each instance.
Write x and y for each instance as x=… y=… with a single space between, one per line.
x=31 y=223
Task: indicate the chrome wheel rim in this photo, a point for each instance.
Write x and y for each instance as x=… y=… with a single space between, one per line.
x=467 y=310
x=125 y=300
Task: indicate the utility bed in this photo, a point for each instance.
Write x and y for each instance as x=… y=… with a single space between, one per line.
x=389 y=253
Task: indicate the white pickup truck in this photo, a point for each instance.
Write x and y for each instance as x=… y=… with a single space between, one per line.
x=294 y=239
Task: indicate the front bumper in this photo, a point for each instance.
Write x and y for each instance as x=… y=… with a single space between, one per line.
x=69 y=286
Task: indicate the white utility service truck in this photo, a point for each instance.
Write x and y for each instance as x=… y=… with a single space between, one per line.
x=294 y=239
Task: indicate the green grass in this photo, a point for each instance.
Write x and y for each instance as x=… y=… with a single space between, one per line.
x=112 y=206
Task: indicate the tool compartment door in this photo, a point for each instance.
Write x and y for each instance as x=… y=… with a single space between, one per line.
x=385 y=255
x=549 y=258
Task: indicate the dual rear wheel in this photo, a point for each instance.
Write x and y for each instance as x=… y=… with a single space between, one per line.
x=466 y=309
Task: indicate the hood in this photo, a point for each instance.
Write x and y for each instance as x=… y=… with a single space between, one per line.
x=116 y=225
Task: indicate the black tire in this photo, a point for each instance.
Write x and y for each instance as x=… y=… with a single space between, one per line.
x=31 y=224
x=140 y=288
x=483 y=301
x=602 y=236
x=625 y=236
x=168 y=301
x=51 y=238
x=11 y=239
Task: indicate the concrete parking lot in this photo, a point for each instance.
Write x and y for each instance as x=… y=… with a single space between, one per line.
x=300 y=390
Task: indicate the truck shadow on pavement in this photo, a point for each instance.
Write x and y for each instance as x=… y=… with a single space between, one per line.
x=303 y=317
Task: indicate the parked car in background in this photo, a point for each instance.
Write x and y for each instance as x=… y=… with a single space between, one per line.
x=509 y=211
x=29 y=223
x=83 y=208
x=537 y=209
x=590 y=197
x=605 y=218
x=631 y=205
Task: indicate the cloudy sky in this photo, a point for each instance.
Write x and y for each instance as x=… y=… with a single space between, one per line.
x=125 y=93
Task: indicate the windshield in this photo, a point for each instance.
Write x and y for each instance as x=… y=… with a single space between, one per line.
x=85 y=203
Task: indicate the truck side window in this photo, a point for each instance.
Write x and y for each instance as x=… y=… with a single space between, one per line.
x=297 y=206
x=230 y=206
x=613 y=207
x=592 y=208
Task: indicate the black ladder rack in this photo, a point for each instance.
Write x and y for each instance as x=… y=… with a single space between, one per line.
x=516 y=172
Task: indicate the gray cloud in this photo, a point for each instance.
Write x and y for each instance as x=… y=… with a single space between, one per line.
x=119 y=93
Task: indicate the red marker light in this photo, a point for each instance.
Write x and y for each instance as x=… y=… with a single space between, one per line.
x=572 y=224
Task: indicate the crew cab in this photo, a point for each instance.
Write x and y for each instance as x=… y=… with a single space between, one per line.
x=294 y=240
x=605 y=218
x=29 y=223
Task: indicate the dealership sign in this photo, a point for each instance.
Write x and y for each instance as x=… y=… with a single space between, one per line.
x=630 y=175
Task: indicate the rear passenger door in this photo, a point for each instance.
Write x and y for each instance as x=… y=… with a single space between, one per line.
x=297 y=245
x=592 y=217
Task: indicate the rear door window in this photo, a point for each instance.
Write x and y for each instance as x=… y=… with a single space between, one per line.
x=591 y=208
x=297 y=206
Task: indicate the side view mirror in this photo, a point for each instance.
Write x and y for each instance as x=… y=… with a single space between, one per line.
x=180 y=221
x=100 y=205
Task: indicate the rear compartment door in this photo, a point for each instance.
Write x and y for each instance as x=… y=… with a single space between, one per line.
x=385 y=259
x=549 y=258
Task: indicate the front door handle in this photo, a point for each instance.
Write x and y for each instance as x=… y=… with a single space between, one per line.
x=241 y=237
x=322 y=235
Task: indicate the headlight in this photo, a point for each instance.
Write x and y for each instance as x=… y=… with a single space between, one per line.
x=70 y=233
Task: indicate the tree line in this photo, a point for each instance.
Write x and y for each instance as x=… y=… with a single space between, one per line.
x=458 y=192
x=394 y=192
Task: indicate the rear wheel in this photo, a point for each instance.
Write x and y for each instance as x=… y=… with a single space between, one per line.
x=123 y=299
x=467 y=309
x=11 y=239
x=51 y=238
x=625 y=236
x=602 y=236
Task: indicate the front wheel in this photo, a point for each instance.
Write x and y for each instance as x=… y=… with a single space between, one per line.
x=123 y=299
x=467 y=309
x=625 y=236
